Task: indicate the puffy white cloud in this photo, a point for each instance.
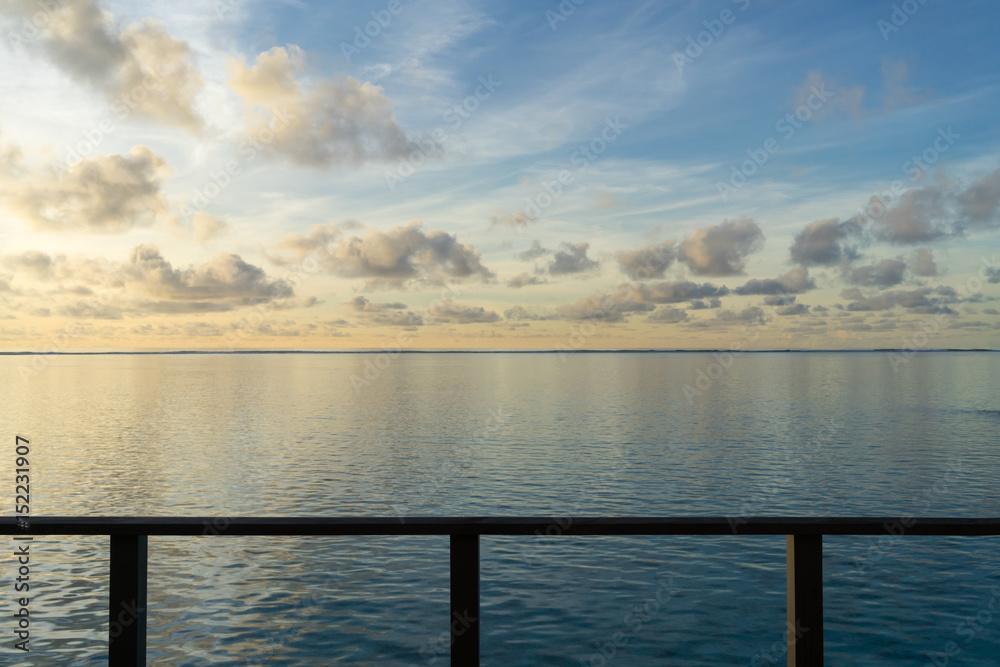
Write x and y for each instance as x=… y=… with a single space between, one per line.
x=524 y=279
x=517 y=313
x=924 y=300
x=104 y=194
x=145 y=283
x=335 y=122
x=822 y=243
x=674 y=292
x=886 y=273
x=449 y=311
x=794 y=281
x=572 y=258
x=604 y=308
x=721 y=250
x=392 y=314
x=917 y=218
x=979 y=204
x=363 y=305
x=534 y=252
x=141 y=65
x=387 y=258
x=650 y=261
x=922 y=263
x=668 y=315
x=203 y=227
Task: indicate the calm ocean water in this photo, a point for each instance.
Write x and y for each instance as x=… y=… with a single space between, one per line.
x=511 y=434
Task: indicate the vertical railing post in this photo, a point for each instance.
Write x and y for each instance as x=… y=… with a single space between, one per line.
x=464 y=619
x=805 y=600
x=127 y=604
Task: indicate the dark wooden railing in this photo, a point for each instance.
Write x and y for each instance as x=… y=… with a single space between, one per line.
x=804 y=535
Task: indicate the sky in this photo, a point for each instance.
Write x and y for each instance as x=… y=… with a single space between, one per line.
x=430 y=174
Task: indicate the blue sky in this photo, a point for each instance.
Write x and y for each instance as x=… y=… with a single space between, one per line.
x=288 y=180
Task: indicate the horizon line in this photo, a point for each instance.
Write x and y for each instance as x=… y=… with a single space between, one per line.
x=495 y=351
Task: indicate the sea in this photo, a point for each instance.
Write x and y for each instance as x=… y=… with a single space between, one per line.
x=865 y=433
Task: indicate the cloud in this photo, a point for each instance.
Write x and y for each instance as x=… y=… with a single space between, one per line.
x=385 y=314
x=449 y=311
x=226 y=277
x=604 y=308
x=752 y=314
x=979 y=204
x=147 y=283
x=828 y=98
x=517 y=313
x=793 y=309
x=361 y=304
x=924 y=300
x=534 y=252
x=607 y=202
x=33 y=263
x=922 y=262
x=674 y=292
x=650 y=261
x=698 y=304
x=940 y=210
x=571 y=258
x=524 y=279
x=992 y=275
x=886 y=273
x=295 y=247
x=821 y=243
x=668 y=315
x=898 y=93
x=390 y=258
x=103 y=194
x=203 y=227
x=82 y=40
x=514 y=219
x=10 y=157
x=721 y=250
x=794 y=281
x=335 y=122
x=917 y=218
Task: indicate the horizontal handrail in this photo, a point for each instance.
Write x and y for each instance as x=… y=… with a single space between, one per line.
x=803 y=535
x=487 y=525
